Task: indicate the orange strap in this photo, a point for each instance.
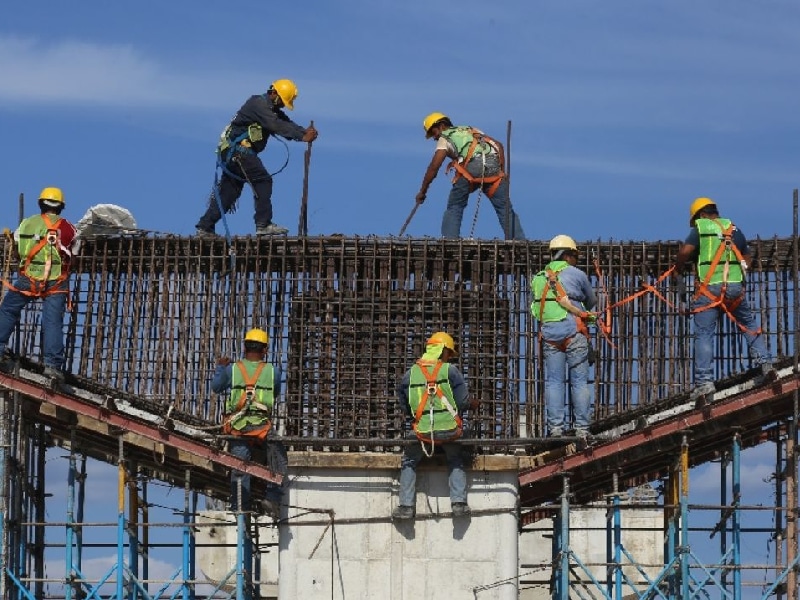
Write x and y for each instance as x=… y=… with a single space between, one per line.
x=461 y=170
x=431 y=387
x=249 y=385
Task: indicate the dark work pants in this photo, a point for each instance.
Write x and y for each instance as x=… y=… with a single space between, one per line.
x=230 y=189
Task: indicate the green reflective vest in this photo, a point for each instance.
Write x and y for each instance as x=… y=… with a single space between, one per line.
x=435 y=415
x=712 y=236
x=32 y=231
x=461 y=137
x=251 y=399
x=540 y=284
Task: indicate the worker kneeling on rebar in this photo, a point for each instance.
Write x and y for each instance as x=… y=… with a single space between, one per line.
x=434 y=395
x=255 y=386
x=562 y=299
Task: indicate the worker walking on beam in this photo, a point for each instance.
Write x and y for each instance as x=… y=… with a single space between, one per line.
x=243 y=139
x=479 y=164
x=721 y=256
x=562 y=299
x=255 y=387
x=433 y=394
x=46 y=244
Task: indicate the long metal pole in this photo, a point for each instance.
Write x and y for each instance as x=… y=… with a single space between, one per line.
x=736 y=522
x=302 y=225
x=791 y=442
x=5 y=424
x=508 y=178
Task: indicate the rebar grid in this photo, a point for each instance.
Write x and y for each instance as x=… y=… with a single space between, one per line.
x=347 y=316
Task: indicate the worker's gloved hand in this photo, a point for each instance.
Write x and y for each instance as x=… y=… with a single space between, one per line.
x=421 y=197
x=591 y=318
x=223 y=361
x=310 y=134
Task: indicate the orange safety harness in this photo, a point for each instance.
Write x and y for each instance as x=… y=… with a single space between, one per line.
x=432 y=389
x=582 y=317
x=38 y=286
x=727 y=305
x=246 y=401
x=461 y=171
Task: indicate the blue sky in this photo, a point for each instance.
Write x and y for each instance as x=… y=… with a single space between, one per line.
x=622 y=112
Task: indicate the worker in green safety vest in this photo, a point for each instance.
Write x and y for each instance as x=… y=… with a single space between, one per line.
x=479 y=164
x=433 y=395
x=46 y=243
x=254 y=387
x=719 y=251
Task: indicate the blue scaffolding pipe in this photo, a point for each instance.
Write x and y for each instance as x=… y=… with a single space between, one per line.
x=736 y=496
x=69 y=571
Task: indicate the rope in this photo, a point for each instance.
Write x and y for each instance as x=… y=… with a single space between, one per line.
x=478 y=201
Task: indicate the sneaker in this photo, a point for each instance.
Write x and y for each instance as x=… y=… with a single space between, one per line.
x=704 y=389
x=403 y=513
x=581 y=432
x=204 y=233
x=556 y=432
x=461 y=509
x=271 y=229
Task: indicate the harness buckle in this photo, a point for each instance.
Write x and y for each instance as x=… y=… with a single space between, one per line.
x=432 y=387
x=52 y=237
x=249 y=393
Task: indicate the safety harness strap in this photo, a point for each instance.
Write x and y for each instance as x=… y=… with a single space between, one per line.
x=461 y=171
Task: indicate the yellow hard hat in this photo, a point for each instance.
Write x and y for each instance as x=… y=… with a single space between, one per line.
x=698 y=205
x=287 y=90
x=440 y=337
x=563 y=242
x=53 y=195
x=431 y=120
x=257 y=335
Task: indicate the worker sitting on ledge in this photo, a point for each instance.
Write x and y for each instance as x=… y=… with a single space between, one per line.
x=255 y=386
x=433 y=394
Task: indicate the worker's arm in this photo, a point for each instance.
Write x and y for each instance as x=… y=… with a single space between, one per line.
x=433 y=169
x=740 y=241
x=687 y=251
x=222 y=376
x=459 y=387
x=402 y=394
x=501 y=153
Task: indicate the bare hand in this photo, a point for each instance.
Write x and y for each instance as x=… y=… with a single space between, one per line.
x=223 y=361
x=310 y=134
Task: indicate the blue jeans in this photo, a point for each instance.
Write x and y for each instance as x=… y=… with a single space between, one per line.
x=275 y=459
x=556 y=363
x=53 y=308
x=705 y=325
x=457 y=477
x=457 y=202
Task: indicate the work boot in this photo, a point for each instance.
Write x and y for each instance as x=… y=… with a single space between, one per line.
x=7 y=366
x=53 y=373
x=701 y=391
x=582 y=433
x=767 y=374
x=461 y=509
x=271 y=508
x=271 y=229
x=403 y=513
x=204 y=233
x=556 y=432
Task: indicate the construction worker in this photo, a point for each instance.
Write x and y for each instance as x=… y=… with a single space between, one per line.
x=433 y=395
x=46 y=244
x=237 y=154
x=562 y=299
x=255 y=386
x=479 y=163
x=719 y=250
